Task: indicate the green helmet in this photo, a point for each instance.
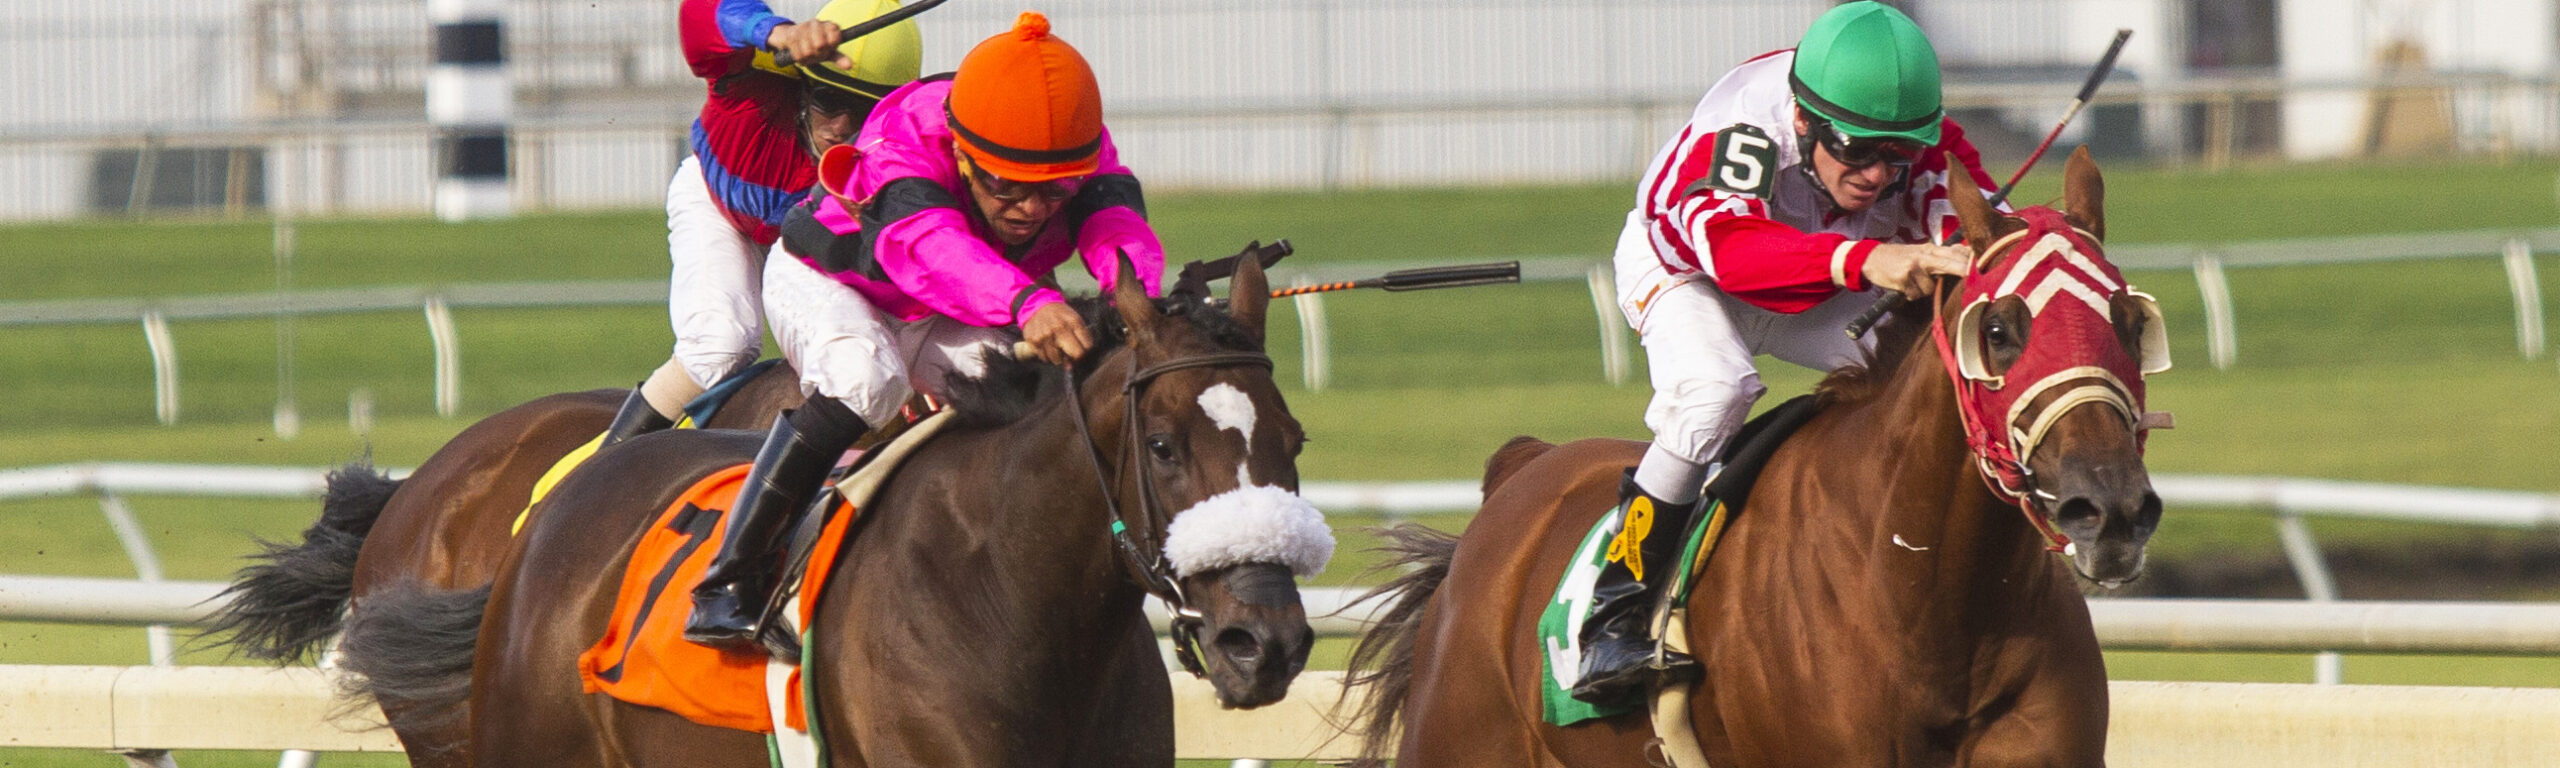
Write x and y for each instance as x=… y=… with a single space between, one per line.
x=882 y=60
x=1866 y=68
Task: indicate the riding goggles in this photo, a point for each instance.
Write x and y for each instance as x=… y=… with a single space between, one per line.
x=1862 y=151
x=1012 y=192
x=831 y=102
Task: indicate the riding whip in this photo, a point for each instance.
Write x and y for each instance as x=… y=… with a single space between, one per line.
x=877 y=23
x=1418 y=279
x=2106 y=64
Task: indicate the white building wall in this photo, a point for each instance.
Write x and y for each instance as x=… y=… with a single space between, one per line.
x=2332 y=41
x=1203 y=93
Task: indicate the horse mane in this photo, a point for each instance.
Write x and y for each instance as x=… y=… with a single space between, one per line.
x=1009 y=388
x=1896 y=341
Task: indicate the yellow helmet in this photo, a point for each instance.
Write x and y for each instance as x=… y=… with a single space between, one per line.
x=882 y=60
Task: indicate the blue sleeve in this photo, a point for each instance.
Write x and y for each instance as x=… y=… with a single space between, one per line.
x=746 y=23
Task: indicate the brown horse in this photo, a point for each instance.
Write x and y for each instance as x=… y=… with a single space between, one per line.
x=1875 y=602
x=982 y=613
x=446 y=525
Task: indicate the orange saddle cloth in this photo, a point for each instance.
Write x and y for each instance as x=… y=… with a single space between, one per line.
x=643 y=657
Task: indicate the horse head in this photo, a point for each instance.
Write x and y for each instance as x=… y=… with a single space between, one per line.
x=1216 y=447
x=2048 y=345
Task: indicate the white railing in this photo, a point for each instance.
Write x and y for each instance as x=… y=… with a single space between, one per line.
x=2181 y=624
x=2259 y=725
x=2207 y=262
x=2287 y=500
x=2168 y=624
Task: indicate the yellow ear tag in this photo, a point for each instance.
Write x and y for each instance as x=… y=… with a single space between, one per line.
x=1629 y=545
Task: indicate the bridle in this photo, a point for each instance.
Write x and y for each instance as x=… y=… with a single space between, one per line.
x=1150 y=572
x=2003 y=424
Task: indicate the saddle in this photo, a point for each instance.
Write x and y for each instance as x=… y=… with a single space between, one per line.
x=643 y=658
x=1726 y=492
x=696 y=413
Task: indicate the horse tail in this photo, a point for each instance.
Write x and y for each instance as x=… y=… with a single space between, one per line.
x=1383 y=658
x=1510 y=458
x=409 y=648
x=295 y=596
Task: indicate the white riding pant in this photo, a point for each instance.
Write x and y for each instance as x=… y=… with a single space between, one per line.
x=716 y=287
x=848 y=350
x=1699 y=343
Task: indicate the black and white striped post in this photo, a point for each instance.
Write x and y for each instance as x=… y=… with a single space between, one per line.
x=469 y=101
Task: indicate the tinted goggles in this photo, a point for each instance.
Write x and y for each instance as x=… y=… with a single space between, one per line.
x=1010 y=192
x=831 y=101
x=1860 y=151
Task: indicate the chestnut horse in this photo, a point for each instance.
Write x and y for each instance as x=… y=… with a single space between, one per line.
x=1876 y=602
x=985 y=611
x=446 y=525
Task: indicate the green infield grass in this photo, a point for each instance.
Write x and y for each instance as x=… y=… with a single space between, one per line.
x=2403 y=372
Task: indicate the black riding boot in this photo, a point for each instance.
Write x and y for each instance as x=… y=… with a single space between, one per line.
x=636 y=418
x=803 y=445
x=1617 y=651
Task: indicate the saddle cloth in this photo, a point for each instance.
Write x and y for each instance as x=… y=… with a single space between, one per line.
x=1560 y=625
x=643 y=657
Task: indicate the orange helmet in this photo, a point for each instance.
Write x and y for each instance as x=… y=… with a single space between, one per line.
x=1024 y=105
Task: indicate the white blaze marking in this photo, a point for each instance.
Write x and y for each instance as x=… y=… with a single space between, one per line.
x=1897 y=539
x=1229 y=408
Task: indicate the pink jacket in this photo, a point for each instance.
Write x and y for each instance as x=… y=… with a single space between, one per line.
x=909 y=240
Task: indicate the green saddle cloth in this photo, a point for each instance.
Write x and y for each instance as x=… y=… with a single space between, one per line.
x=1560 y=624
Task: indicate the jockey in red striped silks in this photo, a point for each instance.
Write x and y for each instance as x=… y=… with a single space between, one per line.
x=1808 y=181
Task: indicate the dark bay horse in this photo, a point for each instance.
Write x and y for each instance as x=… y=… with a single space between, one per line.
x=446 y=526
x=981 y=613
x=1876 y=602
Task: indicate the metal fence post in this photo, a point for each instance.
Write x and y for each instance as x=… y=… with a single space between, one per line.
x=164 y=365
x=2528 y=292
x=2222 y=340
x=2318 y=585
x=448 y=356
x=1613 y=334
x=1314 y=349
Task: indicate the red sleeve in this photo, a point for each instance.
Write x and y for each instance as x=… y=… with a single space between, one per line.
x=1779 y=268
x=720 y=36
x=1755 y=258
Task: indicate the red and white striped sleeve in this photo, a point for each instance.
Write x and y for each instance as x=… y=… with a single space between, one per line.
x=1699 y=227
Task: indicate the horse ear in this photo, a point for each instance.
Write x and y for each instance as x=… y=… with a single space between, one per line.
x=1249 y=295
x=2083 y=193
x=1973 y=213
x=1139 y=313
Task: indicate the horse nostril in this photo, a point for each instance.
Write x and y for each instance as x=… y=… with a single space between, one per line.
x=1239 y=646
x=2076 y=511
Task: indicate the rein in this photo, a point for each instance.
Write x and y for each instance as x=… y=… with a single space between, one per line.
x=1151 y=573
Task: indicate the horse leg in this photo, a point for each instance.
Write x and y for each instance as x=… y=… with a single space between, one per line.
x=1119 y=731
x=525 y=694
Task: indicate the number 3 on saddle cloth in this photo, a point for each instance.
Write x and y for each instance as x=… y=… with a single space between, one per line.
x=1559 y=626
x=643 y=657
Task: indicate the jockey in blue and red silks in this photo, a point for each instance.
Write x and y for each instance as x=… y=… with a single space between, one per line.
x=929 y=250
x=755 y=147
x=1807 y=181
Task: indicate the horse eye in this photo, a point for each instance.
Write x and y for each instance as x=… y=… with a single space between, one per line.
x=1161 y=446
x=1996 y=331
